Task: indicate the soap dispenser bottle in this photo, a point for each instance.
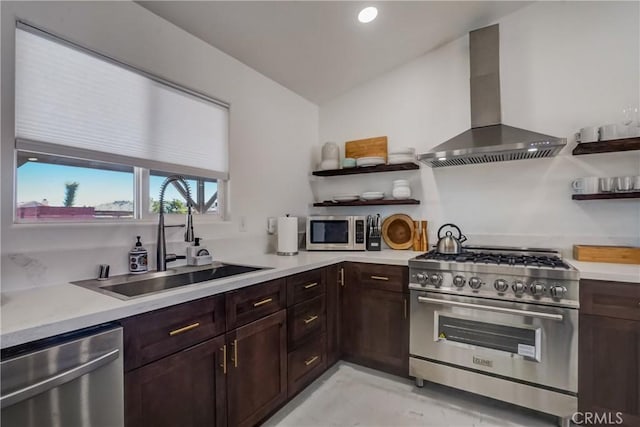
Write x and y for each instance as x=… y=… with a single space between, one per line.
x=198 y=255
x=138 y=257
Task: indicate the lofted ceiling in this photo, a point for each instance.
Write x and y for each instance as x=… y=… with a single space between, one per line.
x=318 y=49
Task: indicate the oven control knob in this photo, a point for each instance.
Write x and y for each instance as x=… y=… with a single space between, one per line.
x=475 y=283
x=558 y=291
x=436 y=279
x=518 y=287
x=501 y=285
x=537 y=289
x=421 y=278
x=458 y=281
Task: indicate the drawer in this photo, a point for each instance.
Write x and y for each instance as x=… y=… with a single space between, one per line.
x=611 y=299
x=252 y=303
x=306 y=318
x=151 y=336
x=305 y=364
x=304 y=286
x=393 y=278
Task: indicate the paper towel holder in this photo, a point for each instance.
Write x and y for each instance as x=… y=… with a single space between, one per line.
x=281 y=242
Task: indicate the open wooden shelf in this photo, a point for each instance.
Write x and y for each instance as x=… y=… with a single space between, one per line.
x=625 y=144
x=383 y=202
x=605 y=196
x=368 y=169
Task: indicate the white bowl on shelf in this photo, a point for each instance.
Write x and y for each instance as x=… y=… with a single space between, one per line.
x=372 y=195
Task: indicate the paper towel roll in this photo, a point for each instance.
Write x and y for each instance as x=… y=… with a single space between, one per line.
x=287 y=235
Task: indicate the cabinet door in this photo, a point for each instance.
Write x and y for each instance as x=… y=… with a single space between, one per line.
x=257 y=369
x=609 y=367
x=334 y=280
x=376 y=326
x=185 y=389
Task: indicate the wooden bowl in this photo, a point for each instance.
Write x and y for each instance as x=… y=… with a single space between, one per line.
x=397 y=231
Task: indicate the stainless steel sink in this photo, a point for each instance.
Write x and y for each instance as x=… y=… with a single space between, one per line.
x=131 y=286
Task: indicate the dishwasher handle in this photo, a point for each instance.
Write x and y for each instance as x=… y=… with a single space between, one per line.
x=548 y=316
x=57 y=379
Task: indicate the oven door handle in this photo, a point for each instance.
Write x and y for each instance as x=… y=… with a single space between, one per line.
x=548 y=316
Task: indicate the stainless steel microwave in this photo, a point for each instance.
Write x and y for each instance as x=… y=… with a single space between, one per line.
x=336 y=233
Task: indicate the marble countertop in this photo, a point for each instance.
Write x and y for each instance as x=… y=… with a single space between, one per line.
x=606 y=271
x=37 y=313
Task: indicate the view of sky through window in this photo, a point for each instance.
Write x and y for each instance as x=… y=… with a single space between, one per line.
x=46 y=184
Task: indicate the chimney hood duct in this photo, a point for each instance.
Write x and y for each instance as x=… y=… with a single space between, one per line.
x=489 y=140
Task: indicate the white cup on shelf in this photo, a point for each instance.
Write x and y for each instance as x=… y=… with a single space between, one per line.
x=586 y=185
x=588 y=134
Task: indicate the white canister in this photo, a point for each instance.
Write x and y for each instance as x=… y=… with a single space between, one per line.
x=401 y=189
x=330 y=151
x=287 y=235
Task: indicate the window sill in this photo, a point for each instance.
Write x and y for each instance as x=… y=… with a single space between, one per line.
x=169 y=219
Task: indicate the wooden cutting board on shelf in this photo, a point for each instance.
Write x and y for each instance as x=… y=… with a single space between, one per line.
x=613 y=254
x=370 y=147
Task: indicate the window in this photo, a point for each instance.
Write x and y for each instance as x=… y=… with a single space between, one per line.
x=204 y=194
x=95 y=138
x=58 y=188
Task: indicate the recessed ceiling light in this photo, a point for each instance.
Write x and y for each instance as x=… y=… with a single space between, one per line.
x=531 y=150
x=33 y=159
x=367 y=14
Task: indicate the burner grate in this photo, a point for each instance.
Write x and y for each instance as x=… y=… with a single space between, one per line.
x=498 y=259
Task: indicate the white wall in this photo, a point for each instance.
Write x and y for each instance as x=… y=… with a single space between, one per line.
x=564 y=65
x=272 y=132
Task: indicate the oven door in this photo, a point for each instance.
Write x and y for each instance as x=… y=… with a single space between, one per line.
x=527 y=342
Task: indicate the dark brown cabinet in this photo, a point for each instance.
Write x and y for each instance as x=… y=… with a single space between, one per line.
x=185 y=389
x=375 y=317
x=307 y=323
x=609 y=350
x=256 y=369
x=233 y=359
x=334 y=282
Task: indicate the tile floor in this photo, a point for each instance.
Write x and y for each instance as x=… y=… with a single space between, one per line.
x=350 y=395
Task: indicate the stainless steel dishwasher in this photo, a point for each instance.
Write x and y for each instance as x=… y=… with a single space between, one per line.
x=71 y=380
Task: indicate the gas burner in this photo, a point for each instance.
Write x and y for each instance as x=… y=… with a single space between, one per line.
x=499 y=258
x=537 y=276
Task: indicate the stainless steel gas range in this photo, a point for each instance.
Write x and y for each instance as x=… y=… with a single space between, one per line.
x=500 y=322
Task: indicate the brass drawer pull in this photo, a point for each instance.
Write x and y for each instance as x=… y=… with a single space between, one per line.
x=184 y=329
x=223 y=349
x=342 y=277
x=311 y=285
x=310 y=319
x=263 y=302
x=310 y=361
x=405 y=307
x=380 y=278
x=234 y=359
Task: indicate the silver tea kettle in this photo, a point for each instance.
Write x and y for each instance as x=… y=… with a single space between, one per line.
x=449 y=244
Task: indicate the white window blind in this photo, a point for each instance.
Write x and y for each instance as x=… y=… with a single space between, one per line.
x=69 y=97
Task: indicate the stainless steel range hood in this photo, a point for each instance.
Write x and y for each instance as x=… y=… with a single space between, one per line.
x=489 y=140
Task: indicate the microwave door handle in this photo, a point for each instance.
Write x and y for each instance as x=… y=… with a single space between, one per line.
x=547 y=316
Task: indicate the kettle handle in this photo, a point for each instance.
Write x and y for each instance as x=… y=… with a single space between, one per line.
x=461 y=237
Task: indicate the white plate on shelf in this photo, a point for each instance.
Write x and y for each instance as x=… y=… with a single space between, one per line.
x=401 y=158
x=372 y=195
x=345 y=198
x=404 y=150
x=369 y=161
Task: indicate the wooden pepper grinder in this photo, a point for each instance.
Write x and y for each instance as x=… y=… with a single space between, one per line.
x=424 y=241
x=417 y=244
